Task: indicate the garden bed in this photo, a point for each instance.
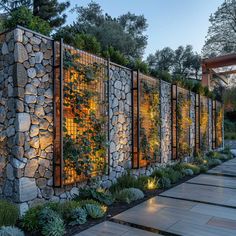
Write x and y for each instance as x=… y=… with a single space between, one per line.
x=119 y=207
x=94 y=204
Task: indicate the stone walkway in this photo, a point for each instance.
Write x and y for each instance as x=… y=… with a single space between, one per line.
x=202 y=206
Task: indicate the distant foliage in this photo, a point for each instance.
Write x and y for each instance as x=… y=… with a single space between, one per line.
x=220 y=38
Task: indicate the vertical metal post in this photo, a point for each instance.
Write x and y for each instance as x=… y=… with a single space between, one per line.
x=61 y=105
x=138 y=119
x=174 y=121
x=108 y=111
x=58 y=114
x=132 y=116
x=189 y=129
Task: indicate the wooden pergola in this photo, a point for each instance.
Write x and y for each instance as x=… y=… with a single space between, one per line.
x=211 y=65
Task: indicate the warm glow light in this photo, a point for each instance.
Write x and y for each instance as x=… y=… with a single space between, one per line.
x=152 y=184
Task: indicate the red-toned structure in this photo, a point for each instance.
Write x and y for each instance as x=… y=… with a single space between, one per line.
x=210 y=65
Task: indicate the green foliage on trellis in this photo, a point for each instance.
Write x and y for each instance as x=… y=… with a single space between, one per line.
x=182 y=144
x=150 y=144
x=90 y=140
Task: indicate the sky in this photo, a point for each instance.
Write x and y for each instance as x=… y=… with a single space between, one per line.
x=171 y=22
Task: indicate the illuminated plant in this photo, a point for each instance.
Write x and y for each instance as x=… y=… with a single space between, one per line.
x=183 y=125
x=150 y=121
x=85 y=144
x=204 y=126
x=219 y=123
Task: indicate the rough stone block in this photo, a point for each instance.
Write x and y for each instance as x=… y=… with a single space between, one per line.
x=22 y=122
x=27 y=189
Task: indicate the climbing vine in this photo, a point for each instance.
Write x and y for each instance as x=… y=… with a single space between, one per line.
x=219 y=123
x=150 y=121
x=84 y=134
x=204 y=125
x=183 y=125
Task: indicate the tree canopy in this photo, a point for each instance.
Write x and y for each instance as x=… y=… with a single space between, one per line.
x=43 y=12
x=121 y=38
x=180 y=62
x=221 y=37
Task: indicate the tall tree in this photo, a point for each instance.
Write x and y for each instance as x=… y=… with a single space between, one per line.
x=9 y=6
x=161 y=61
x=50 y=11
x=124 y=34
x=180 y=62
x=221 y=37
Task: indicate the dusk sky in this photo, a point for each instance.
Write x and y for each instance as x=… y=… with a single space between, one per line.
x=171 y=22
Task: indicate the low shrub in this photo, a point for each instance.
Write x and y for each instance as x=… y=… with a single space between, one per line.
x=51 y=223
x=30 y=221
x=9 y=213
x=82 y=203
x=78 y=216
x=95 y=211
x=228 y=152
x=126 y=181
x=129 y=195
x=100 y=195
x=173 y=175
x=203 y=168
x=188 y=172
x=214 y=162
x=54 y=227
x=11 y=231
x=164 y=183
x=193 y=167
x=159 y=173
x=64 y=209
x=142 y=182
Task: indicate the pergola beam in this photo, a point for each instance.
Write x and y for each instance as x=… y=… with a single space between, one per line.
x=216 y=62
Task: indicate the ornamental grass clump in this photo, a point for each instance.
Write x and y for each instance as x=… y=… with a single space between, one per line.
x=78 y=216
x=193 y=167
x=11 y=231
x=51 y=223
x=126 y=181
x=164 y=182
x=9 y=213
x=99 y=194
x=129 y=195
x=188 y=172
x=95 y=211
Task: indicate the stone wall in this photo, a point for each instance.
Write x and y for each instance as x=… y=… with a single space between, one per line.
x=165 y=121
x=120 y=122
x=7 y=114
x=26 y=122
x=28 y=127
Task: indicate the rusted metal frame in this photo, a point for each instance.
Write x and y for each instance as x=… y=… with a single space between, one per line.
x=160 y=137
x=135 y=163
x=189 y=128
x=138 y=119
x=197 y=122
x=213 y=124
x=58 y=106
x=172 y=122
x=108 y=114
